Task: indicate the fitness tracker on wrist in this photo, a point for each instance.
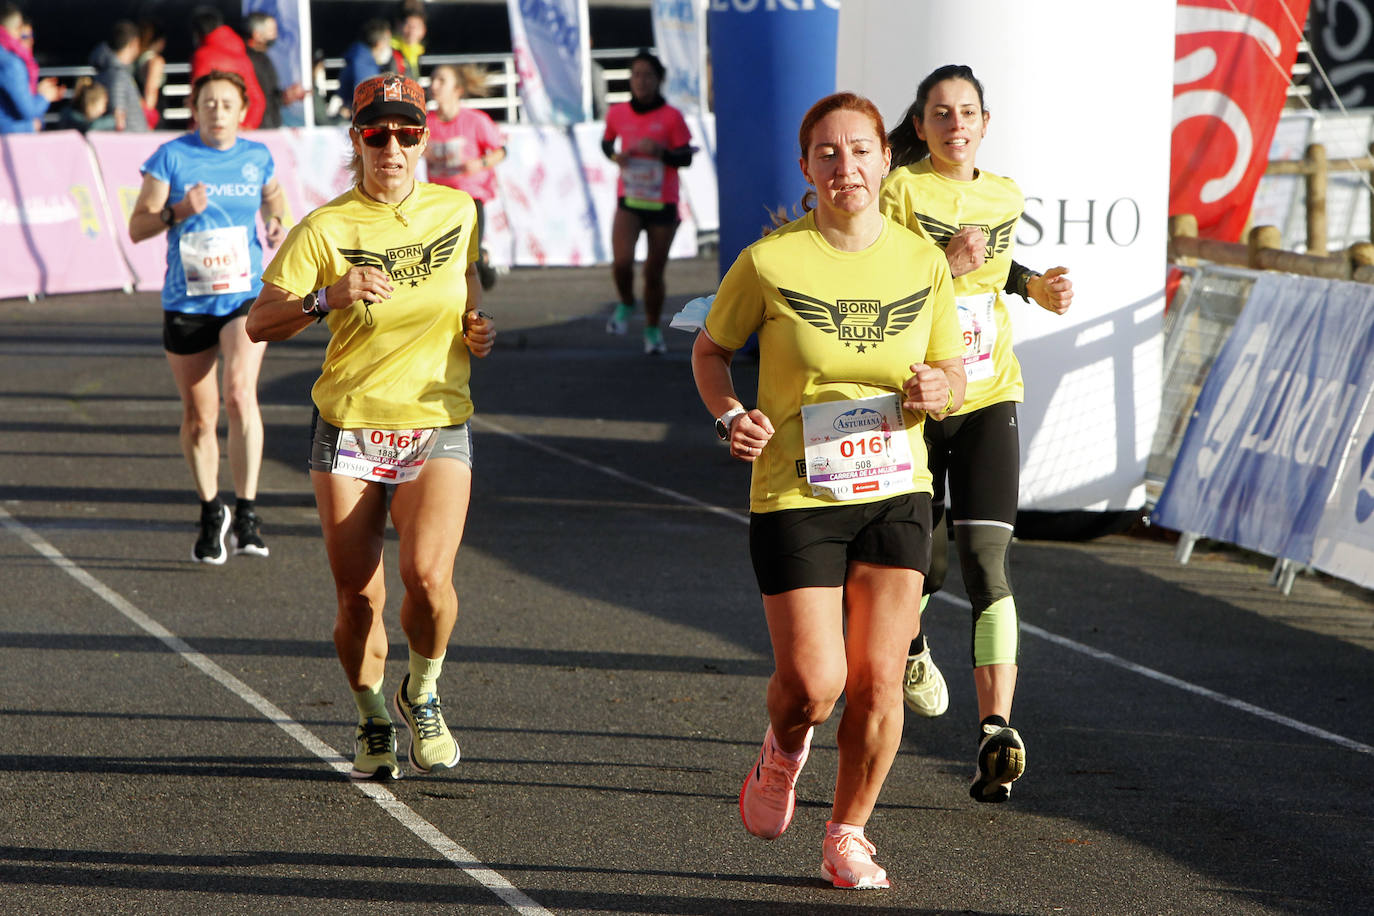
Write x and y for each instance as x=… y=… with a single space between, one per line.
x=169 y=216
x=724 y=420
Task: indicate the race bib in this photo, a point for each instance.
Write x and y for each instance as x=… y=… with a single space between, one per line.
x=978 y=321
x=388 y=455
x=643 y=183
x=216 y=261
x=858 y=448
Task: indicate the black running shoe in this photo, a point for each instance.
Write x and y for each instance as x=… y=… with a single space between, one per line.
x=245 y=535
x=210 y=545
x=1001 y=761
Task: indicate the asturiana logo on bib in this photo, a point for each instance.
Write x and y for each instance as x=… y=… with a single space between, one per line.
x=858 y=420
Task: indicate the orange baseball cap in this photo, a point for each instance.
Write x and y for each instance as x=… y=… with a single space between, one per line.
x=388 y=95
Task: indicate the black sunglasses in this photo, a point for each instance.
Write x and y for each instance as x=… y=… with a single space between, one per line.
x=378 y=137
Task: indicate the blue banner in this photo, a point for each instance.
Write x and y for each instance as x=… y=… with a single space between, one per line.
x=551 y=46
x=1275 y=416
x=680 y=37
x=770 y=62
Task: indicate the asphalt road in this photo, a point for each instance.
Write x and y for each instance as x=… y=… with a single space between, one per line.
x=173 y=734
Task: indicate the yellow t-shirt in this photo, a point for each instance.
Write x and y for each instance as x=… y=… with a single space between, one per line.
x=832 y=325
x=936 y=207
x=400 y=363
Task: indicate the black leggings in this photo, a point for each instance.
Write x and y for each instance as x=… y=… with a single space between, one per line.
x=981 y=454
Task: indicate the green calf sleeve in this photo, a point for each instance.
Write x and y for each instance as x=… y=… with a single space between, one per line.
x=983 y=561
x=996 y=634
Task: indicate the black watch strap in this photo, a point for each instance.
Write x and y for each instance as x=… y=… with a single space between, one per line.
x=169 y=216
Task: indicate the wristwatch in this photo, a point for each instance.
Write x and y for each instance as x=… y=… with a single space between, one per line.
x=724 y=420
x=169 y=216
x=314 y=305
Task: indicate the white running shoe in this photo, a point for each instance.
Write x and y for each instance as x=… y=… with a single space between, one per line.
x=923 y=687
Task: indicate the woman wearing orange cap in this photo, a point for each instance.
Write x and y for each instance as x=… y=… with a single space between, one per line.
x=390 y=266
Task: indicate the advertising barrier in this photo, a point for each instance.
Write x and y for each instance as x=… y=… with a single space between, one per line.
x=1344 y=543
x=1272 y=448
x=65 y=201
x=56 y=229
x=1092 y=375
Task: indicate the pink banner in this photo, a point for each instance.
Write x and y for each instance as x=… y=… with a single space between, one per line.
x=67 y=230
x=310 y=166
x=56 y=231
x=120 y=155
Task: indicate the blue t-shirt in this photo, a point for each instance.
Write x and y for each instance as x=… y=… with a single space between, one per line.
x=233 y=180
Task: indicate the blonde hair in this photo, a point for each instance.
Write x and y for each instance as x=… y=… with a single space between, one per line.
x=471 y=78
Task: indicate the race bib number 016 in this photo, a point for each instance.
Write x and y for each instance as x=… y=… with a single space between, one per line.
x=858 y=448
x=388 y=455
x=216 y=261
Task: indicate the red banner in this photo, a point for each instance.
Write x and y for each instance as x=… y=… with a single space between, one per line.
x=1232 y=66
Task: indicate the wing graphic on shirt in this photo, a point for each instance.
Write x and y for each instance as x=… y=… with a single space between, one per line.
x=440 y=250
x=898 y=316
x=359 y=257
x=999 y=236
x=866 y=322
x=821 y=315
x=939 y=232
x=408 y=262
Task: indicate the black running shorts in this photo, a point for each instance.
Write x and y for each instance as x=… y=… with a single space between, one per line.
x=664 y=216
x=186 y=335
x=807 y=548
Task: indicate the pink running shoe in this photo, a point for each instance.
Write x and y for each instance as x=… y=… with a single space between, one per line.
x=847 y=862
x=769 y=794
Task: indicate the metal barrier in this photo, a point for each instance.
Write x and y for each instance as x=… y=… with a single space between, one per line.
x=1204 y=309
x=610 y=84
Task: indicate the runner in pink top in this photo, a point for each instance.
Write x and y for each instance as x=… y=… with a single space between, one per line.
x=465 y=145
x=654 y=144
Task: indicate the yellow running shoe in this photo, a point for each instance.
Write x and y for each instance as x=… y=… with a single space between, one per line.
x=374 y=751
x=431 y=745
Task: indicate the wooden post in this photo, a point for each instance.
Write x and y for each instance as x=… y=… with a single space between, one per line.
x=1184 y=225
x=1260 y=238
x=1315 y=177
x=1371 y=195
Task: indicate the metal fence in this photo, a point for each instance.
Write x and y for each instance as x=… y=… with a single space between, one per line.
x=1203 y=312
x=610 y=84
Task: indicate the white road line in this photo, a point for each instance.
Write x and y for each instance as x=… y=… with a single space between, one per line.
x=388 y=802
x=1100 y=655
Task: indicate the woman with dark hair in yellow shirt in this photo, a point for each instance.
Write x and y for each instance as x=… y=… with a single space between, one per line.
x=936 y=191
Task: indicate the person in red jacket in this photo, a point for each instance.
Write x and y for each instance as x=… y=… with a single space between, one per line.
x=218 y=47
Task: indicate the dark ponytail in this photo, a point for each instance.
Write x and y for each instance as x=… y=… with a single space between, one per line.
x=907 y=147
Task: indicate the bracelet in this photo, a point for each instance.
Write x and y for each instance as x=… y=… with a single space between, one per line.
x=949 y=405
x=320 y=302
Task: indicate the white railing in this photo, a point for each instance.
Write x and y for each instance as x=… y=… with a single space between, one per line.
x=610 y=84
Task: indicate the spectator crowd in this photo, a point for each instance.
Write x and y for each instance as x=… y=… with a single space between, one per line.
x=125 y=90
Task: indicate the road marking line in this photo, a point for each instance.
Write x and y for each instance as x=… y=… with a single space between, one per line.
x=1098 y=654
x=431 y=835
